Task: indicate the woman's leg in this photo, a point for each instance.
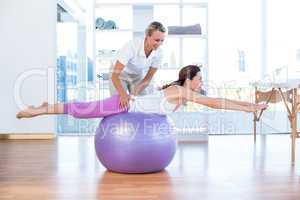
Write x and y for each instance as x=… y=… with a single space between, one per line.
x=43 y=109
x=94 y=109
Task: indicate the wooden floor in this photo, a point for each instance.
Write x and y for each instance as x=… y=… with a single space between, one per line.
x=227 y=167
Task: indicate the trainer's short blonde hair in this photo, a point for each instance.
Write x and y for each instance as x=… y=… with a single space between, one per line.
x=155 y=26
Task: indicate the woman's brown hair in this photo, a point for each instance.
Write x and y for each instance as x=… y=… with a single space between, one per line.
x=187 y=72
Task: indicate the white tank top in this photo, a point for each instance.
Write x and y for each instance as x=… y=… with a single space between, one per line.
x=152 y=103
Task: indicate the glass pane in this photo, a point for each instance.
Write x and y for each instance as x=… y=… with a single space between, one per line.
x=167 y=15
x=66 y=38
x=235 y=41
x=194 y=51
x=112 y=40
x=165 y=76
x=195 y=15
x=121 y=15
x=137 y=1
x=107 y=45
x=283 y=39
x=170 y=64
x=171 y=53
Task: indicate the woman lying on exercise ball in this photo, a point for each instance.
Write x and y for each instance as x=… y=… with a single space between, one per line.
x=168 y=99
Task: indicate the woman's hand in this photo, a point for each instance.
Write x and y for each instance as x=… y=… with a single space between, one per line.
x=257 y=107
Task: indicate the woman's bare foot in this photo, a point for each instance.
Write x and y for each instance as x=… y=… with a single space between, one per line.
x=27 y=113
x=32 y=111
x=43 y=105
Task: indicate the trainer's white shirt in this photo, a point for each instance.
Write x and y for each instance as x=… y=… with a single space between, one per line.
x=133 y=56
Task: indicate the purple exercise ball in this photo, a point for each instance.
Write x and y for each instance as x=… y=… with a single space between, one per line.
x=135 y=142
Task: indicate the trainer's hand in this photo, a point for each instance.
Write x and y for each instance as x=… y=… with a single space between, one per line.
x=124 y=101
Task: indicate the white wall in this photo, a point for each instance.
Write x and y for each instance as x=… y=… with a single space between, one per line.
x=28 y=41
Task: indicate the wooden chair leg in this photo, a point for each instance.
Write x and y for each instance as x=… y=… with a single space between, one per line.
x=255 y=117
x=254 y=127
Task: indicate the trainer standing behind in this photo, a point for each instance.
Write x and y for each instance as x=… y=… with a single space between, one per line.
x=133 y=59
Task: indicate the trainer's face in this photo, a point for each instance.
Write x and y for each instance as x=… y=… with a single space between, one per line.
x=155 y=39
x=196 y=83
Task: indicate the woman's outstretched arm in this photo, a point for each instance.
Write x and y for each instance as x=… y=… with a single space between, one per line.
x=220 y=103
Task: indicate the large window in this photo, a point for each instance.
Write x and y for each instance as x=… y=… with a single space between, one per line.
x=179 y=50
x=283 y=41
x=235 y=40
x=114 y=38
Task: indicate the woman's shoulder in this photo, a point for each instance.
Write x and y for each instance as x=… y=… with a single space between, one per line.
x=175 y=91
x=175 y=87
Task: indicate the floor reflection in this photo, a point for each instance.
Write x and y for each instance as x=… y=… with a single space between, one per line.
x=230 y=167
x=152 y=186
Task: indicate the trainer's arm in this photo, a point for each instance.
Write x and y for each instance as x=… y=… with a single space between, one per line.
x=146 y=80
x=118 y=68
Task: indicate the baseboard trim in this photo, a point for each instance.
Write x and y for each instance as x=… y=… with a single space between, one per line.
x=27 y=136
